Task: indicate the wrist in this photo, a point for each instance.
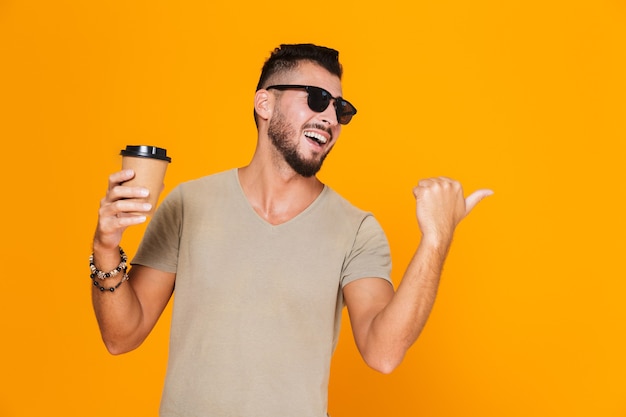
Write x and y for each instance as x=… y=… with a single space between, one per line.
x=436 y=244
x=99 y=276
x=105 y=244
x=105 y=257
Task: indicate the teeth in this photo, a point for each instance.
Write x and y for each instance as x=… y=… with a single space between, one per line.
x=316 y=136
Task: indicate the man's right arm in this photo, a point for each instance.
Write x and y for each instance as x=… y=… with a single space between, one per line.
x=126 y=315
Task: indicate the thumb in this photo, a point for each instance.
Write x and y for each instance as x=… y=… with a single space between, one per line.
x=474 y=198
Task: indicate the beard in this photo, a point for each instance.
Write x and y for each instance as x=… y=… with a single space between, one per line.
x=281 y=133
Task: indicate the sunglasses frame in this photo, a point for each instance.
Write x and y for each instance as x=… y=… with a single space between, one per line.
x=343 y=116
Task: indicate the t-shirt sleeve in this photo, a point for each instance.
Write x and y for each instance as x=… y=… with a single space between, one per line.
x=370 y=255
x=160 y=244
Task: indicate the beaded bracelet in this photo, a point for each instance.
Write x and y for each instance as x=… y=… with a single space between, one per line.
x=95 y=272
x=111 y=289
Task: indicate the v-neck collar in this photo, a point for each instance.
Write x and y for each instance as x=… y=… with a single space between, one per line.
x=250 y=208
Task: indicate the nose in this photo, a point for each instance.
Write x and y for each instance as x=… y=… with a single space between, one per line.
x=329 y=115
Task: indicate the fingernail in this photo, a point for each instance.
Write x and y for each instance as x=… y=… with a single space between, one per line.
x=147 y=206
x=144 y=192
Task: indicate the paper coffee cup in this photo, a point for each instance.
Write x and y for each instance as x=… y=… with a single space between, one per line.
x=149 y=164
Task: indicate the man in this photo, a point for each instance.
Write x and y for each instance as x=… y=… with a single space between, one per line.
x=264 y=257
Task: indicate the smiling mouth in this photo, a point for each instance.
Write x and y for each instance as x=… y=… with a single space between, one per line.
x=316 y=137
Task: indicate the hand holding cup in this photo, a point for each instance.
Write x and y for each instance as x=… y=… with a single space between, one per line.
x=149 y=164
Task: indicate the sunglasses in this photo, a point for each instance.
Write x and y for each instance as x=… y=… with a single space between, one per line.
x=319 y=99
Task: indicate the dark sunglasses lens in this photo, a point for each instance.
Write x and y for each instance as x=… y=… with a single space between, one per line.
x=319 y=99
x=345 y=111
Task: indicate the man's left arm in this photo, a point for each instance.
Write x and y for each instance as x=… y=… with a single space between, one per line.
x=386 y=323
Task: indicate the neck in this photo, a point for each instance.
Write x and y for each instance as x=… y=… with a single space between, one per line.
x=276 y=192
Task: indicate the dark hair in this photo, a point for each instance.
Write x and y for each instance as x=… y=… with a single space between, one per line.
x=288 y=56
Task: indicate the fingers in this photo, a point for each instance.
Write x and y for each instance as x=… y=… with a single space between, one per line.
x=115 y=217
x=122 y=192
x=475 y=198
x=123 y=220
x=119 y=177
x=122 y=205
x=121 y=214
x=118 y=191
x=124 y=208
x=443 y=182
x=454 y=191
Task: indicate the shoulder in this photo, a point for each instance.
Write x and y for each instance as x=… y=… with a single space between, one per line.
x=348 y=218
x=340 y=204
x=193 y=193
x=213 y=184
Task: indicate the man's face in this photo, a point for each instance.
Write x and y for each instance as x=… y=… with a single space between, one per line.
x=302 y=136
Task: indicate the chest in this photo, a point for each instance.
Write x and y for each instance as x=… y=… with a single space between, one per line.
x=234 y=259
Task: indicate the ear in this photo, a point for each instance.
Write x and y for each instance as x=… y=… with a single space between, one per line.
x=264 y=104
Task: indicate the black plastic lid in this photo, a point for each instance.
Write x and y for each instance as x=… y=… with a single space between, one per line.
x=144 y=151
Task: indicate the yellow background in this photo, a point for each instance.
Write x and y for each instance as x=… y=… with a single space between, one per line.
x=525 y=97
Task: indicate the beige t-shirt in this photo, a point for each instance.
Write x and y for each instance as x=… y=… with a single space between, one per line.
x=257 y=307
